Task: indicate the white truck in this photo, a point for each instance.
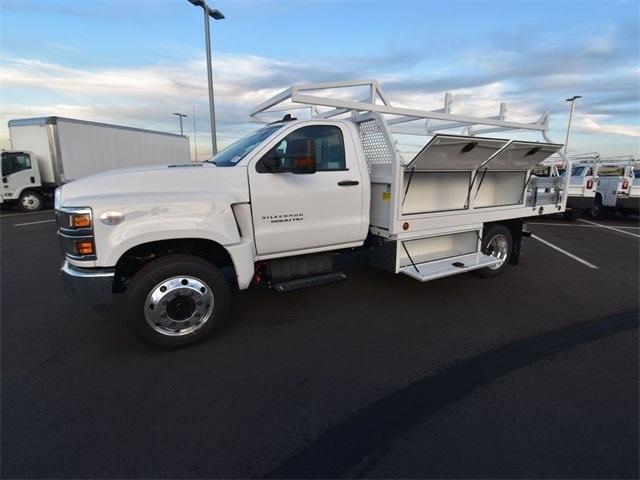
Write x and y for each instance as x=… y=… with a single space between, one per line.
x=273 y=208
x=583 y=181
x=618 y=186
x=47 y=152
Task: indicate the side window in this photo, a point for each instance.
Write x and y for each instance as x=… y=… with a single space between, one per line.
x=322 y=142
x=23 y=162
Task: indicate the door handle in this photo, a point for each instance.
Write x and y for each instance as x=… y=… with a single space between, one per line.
x=348 y=183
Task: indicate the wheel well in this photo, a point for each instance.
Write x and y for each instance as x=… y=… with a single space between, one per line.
x=140 y=255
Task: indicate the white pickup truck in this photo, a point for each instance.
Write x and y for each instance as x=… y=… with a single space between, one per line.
x=618 y=187
x=583 y=180
x=273 y=207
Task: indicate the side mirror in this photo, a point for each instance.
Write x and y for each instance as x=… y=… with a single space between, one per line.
x=4 y=180
x=271 y=163
x=298 y=164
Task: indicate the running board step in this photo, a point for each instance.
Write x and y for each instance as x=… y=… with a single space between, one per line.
x=449 y=266
x=314 y=281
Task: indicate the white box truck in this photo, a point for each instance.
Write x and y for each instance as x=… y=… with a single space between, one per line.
x=275 y=206
x=48 y=152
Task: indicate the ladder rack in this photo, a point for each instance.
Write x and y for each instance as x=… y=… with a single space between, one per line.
x=316 y=97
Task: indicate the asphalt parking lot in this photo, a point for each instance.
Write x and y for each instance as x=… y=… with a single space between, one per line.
x=531 y=374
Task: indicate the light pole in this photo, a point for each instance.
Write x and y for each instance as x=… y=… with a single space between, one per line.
x=195 y=138
x=181 y=116
x=216 y=15
x=573 y=107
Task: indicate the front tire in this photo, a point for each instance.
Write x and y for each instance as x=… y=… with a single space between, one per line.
x=496 y=242
x=30 y=201
x=177 y=300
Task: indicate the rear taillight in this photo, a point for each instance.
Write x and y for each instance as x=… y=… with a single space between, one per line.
x=590 y=184
x=625 y=184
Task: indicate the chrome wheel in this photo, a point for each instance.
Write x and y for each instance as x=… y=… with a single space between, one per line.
x=498 y=247
x=179 y=306
x=30 y=201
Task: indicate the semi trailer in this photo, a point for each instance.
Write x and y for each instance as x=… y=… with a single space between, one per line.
x=170 y=243
x=48 y=152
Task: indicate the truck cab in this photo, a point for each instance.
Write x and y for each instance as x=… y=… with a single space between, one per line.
x=20 y=176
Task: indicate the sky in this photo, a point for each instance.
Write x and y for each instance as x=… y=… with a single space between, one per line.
x=135 y=62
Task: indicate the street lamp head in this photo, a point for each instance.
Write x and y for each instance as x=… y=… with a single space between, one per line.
x=181 y=114
x=214 y=13
x=197 y=3
x=575 y=97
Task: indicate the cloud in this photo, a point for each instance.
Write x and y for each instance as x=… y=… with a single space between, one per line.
x=532 y=77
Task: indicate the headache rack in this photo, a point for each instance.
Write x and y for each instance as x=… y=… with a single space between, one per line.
x=432 y=208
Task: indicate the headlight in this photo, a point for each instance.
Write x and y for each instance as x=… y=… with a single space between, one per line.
x=80 y=220
x=75 y=229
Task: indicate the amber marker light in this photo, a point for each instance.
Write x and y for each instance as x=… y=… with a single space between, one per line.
x=83 y=247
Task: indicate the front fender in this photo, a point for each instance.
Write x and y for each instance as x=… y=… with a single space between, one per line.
x=192 y=216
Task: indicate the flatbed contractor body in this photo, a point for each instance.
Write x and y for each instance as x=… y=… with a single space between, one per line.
x=273 y=207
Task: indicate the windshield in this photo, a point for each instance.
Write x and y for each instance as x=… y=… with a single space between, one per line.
x=235 y=152
x=15 y=162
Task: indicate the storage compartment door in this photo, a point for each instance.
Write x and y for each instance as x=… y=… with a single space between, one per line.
x=522 y=156
x=455 y=152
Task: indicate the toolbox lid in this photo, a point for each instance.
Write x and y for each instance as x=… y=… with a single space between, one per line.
x=455 y=152
x=519 y=156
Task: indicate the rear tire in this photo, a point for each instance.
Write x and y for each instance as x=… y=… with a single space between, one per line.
x=571 y=215
x=597 y=210
x=30 y=201
x=498 y=242
x=177 y=300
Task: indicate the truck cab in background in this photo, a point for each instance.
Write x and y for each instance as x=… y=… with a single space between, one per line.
x=21 y=181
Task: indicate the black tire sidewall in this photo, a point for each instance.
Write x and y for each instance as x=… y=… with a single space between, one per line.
x=490 y=232
x=571 y=215
x=171 y=266
x=597 y=202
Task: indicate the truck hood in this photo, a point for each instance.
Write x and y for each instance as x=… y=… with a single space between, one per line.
x=168 y=181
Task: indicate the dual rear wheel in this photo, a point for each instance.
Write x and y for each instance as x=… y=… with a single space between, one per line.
x=497 y=242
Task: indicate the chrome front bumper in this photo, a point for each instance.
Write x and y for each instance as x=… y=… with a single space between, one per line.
x=91 y=287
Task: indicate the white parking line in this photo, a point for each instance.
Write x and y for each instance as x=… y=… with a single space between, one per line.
x=577 y=225
x=570 y=255
x=33 y=223
x=7 y=215
x=610 y=228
